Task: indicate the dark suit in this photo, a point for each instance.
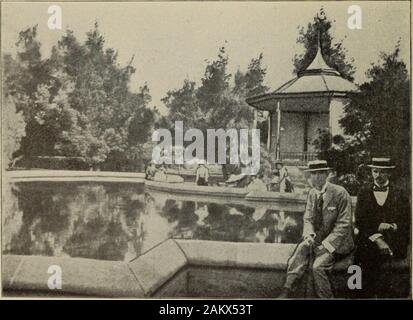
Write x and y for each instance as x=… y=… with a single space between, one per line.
x=334 y=233
x=368 y=216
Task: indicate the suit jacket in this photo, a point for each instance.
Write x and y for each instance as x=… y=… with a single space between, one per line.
x=369 y=215
x=336 y=232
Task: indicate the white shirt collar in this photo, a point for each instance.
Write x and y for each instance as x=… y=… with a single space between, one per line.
x=385 y=185
x=381 y=197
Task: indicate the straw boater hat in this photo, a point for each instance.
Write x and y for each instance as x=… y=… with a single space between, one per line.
x=381 y=163
x=317 y=165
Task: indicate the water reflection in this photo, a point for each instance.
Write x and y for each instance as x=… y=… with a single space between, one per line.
x=118 y=221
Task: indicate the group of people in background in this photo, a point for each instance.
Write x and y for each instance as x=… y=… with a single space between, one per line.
x=279 y=181
x=156 y=172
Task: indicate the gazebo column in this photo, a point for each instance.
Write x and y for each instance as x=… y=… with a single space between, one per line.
x=254 y=124
x=269 y=120
x=278 y=145
x=306 y=120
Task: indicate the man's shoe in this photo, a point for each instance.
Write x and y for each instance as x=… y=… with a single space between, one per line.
x=285 y=294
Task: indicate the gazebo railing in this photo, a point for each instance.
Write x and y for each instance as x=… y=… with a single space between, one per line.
x=300 y=157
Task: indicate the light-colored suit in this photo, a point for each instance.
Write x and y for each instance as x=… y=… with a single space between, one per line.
x=334 y=237
x=336 y=232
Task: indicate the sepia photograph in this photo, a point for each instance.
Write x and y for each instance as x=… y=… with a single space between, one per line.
x=206 y=150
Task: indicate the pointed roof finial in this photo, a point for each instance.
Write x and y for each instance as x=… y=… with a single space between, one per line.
x=318 y=65
x=321 y=17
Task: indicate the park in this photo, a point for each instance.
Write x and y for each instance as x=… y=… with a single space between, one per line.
x=86 y=134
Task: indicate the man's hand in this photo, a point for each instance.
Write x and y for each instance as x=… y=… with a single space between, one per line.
x=383 y=227
x=309 y=240
x=383 y=247
x=320 y=250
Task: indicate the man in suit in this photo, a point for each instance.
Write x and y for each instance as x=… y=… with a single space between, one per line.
x=327 y=233
x=383 y=229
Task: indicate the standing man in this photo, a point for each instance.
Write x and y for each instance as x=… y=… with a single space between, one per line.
x=382 y=220
x=327 y=233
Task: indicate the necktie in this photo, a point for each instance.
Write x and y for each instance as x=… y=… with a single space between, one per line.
x=380 y=189
x=318 y=219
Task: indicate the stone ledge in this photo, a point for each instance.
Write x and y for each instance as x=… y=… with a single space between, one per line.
x=85 y=277
x=72 y=175
x=254 y=255
x=162 y=271
x=236 y=254
x=158 y=265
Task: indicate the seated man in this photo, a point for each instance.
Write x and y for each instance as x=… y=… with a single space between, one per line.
x=382 y=220
x=327 y=233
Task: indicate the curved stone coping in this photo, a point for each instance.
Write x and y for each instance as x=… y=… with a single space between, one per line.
x=268 y=196
x=71 y=175
x=276 y=200
x=297 y=200
x=192 y=188
x=148 y=273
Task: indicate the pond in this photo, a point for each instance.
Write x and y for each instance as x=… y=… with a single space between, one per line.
x=119 y=221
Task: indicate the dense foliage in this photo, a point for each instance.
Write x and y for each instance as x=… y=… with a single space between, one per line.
x=376 y=122
x=332 y=50
x=77 y=101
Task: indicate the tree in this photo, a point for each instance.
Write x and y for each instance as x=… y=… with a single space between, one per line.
x=333 y=53
x=252 y=84
x=216 y=104
x=28 y=78
x=183 y=105
x=77 y=102
x=14 y=130
x=376 y=122
x=379 y=117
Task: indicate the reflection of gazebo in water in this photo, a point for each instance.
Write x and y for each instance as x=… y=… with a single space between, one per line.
x=314 y=100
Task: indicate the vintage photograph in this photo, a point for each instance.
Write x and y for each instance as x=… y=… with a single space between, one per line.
x=206 y=150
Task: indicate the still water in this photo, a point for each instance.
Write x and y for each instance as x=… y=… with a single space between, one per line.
x=119 y=221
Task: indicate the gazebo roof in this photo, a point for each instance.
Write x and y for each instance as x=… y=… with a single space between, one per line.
x=318 y=79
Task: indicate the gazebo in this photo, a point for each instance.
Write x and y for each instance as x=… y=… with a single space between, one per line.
x=314 y=100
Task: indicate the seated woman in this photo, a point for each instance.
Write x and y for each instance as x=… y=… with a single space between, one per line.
x=274 y=184
x=285 y=181
x=161 y=174
x=237 y=181
x=202 y=174
x=256 y=184
x=150 y=171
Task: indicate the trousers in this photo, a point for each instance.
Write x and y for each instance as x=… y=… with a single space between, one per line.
x=376 y=278
x=319 y=269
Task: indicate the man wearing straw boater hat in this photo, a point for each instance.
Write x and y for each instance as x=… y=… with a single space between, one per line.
x=382 y=226
x=327 y=233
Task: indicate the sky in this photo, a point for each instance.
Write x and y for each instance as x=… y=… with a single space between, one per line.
x=172 y=41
